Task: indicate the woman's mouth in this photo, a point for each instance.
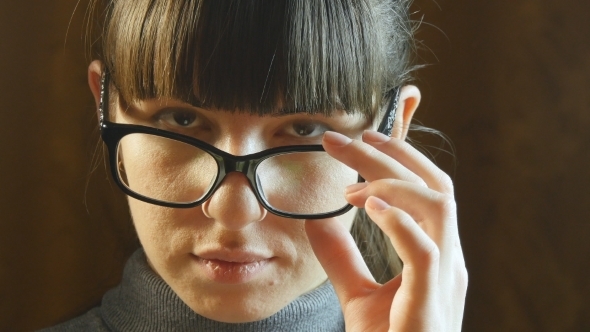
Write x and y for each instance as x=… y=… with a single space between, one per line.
x=231 y=269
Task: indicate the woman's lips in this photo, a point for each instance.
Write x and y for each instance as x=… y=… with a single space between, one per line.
x=231 y=268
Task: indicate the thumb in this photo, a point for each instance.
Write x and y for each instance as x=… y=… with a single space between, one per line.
x=337 y=252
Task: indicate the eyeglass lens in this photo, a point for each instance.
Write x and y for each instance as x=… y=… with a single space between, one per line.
x=172 y=171
x=305 y=182
x=165 y=169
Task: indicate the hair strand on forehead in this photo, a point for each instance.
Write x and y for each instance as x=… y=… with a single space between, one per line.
x=260 y=56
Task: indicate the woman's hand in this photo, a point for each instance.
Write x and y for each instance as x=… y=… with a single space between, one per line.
x=412 y=201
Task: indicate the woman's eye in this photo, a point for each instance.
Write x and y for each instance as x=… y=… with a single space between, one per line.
x=308 y=129
x=179 y=119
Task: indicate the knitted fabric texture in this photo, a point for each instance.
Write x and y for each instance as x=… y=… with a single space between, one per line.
x=144 y=302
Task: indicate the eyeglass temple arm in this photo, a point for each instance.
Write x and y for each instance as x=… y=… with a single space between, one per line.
x=103 y=109
x=386 y=125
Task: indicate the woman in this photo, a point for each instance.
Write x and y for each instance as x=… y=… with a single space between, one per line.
x=290 y=94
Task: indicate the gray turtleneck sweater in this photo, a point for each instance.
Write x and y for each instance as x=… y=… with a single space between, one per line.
x=144 y=302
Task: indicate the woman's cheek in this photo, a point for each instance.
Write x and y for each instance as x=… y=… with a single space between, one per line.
x=165 y=233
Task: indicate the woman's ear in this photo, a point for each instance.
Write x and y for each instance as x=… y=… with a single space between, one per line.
x=94 y=78
x=409 y=100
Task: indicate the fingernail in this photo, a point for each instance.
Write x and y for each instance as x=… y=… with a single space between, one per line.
x=355 y=187
x=374 y=137
x=336 y=139
x=377 y=204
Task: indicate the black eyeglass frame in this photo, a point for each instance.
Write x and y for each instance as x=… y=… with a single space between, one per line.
x=112 y=133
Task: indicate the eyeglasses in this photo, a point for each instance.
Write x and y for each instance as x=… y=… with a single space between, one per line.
x=174 y=170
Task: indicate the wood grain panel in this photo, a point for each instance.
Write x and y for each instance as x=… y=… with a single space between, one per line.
x=511 y=90
x=64 y=230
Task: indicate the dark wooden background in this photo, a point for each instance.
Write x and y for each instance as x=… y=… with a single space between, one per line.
x=508 y=82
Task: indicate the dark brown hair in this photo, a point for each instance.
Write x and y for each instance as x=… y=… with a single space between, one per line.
x=265 y=56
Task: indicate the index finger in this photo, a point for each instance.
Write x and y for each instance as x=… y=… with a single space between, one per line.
x=411 y=158
x=368 y=161
x=381 y=157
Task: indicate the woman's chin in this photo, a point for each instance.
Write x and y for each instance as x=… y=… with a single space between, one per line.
x=233 y=292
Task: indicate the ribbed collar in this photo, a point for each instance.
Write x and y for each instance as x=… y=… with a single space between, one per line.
x=144 y=302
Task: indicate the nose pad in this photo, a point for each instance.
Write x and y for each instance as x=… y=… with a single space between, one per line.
x=234 y=204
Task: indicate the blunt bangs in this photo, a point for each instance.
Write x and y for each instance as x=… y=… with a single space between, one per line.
x=261 y=57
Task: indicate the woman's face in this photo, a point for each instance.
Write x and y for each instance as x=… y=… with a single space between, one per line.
x=229 y=259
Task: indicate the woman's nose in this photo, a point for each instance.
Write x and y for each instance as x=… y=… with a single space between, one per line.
x=234 y=204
